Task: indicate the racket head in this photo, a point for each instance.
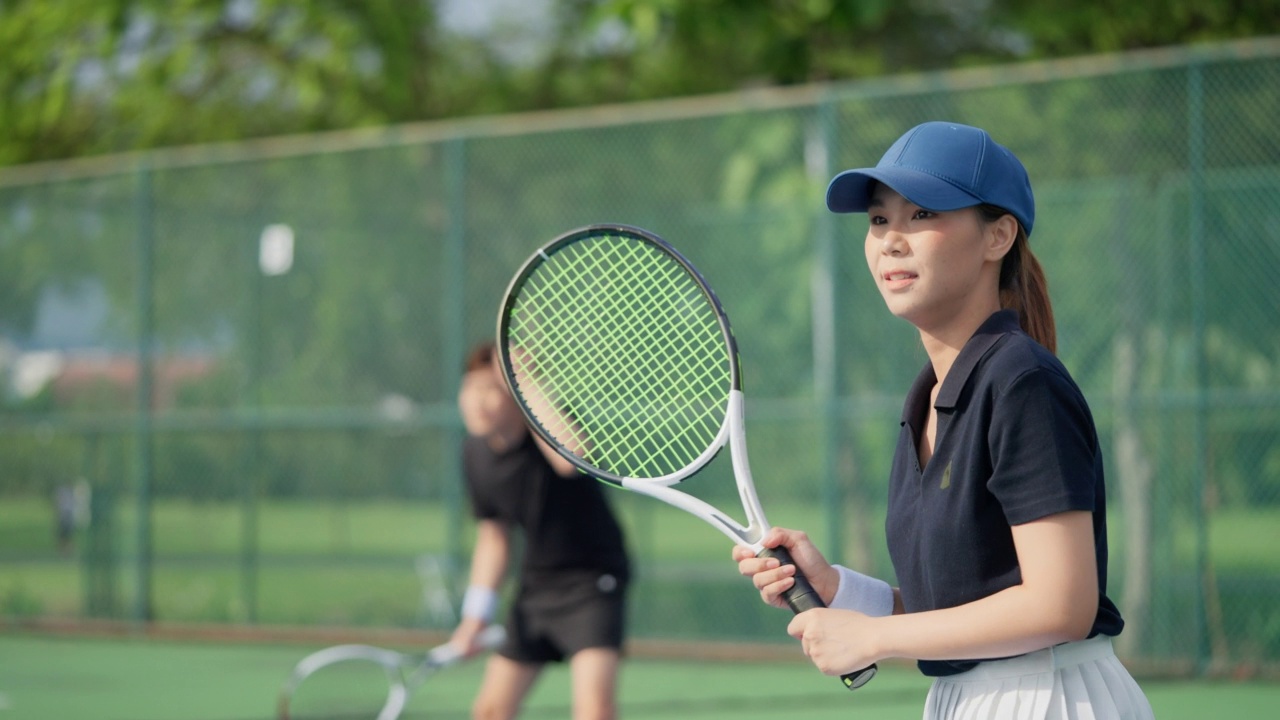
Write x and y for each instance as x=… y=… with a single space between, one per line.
x=346 y=681
x=366 y=682
x=619 y=354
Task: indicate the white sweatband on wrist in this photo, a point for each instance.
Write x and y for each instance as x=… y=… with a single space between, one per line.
x=479 y=602
x=868 y=595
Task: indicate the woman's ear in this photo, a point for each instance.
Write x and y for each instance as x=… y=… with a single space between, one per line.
x=1000 y=236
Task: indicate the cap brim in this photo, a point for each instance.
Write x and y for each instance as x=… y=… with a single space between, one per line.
x=850 y=191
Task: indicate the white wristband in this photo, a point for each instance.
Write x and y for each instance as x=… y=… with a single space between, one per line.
x=479 y=602
x=867 y=595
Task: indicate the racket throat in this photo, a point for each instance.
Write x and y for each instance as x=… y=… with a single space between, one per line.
x=699 y=508
x=757 y=525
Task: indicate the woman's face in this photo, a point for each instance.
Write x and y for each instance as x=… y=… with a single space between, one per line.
x=486 y=404
x=932 y=268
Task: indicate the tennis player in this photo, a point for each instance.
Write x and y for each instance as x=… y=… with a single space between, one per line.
x=570 y=598
x=996 y=519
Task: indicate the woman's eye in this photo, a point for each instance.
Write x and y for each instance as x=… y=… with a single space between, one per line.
x=923 y=215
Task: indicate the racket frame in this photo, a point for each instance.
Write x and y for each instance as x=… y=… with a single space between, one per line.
x=405 y=672
x=661 y=488
x=731 y=430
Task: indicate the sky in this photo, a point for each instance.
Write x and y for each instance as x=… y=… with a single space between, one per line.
x=519 y=27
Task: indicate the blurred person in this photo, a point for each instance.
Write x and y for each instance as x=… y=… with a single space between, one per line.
x=70 y=506
x=569 y=601
x=996 y=520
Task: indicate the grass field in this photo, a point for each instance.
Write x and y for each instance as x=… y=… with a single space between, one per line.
x=59 y=678
x=353 y=564
x=1240 y=539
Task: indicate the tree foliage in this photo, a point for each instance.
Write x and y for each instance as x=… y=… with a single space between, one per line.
x=92 y=76
x=82 y=77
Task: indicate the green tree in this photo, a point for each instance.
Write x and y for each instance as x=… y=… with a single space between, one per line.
x=92 y=76
x=84 y=77
x=1058 y=28
x=669 y=47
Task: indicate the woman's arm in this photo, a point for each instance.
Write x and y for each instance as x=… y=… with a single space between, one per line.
x=489 y=558
x=1056 y=602
x=561 y=466
x=488 y=569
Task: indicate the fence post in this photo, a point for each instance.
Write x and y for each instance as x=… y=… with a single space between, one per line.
x=453 y=291
x=145 y=258
x=252 y=454
x=825 y=289
x=1195 y=230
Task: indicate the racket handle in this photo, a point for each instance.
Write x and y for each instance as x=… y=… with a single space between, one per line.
x=800 y=597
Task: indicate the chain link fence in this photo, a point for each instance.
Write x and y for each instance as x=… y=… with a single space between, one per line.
x=230 y=371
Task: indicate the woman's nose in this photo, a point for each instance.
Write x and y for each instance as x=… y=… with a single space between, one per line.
x=892 y=243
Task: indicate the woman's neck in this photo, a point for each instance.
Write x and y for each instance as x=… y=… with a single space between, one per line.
x=943 y=344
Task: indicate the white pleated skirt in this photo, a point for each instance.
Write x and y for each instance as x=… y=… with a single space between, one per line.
x=1073 y=681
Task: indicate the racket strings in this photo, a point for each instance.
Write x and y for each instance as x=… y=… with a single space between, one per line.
x=660 y=378
x=622 y=347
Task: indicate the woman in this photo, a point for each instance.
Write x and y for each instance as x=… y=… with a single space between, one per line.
x=570 y=600
x=996 y=520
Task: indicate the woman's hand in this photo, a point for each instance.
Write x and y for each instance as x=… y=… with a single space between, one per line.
x=836 y=641
x=466 y=637
x=772 y=578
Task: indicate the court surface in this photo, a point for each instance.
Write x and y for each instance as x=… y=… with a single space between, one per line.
x=69 y=678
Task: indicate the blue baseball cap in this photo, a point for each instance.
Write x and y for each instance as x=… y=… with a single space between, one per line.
x=942 y=166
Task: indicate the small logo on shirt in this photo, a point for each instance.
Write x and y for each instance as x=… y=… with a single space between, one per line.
x=946 y=477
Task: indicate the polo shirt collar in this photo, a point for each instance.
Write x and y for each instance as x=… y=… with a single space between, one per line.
x=992 y=329
x=998 y=325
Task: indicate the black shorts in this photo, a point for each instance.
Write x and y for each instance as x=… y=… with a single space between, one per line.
x=556 y=615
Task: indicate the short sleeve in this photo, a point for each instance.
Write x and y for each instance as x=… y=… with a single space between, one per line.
x=1044 y=448
x=483 y=506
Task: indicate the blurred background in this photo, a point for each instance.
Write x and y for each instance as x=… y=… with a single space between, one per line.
x=246 y=244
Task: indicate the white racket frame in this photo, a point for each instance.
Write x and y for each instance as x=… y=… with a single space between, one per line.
x=404 y=671
x=733 y=432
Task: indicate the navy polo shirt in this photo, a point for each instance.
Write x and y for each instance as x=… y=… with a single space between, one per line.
x=1015 y=443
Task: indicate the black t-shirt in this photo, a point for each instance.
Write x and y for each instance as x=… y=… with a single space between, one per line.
x=566 y=521
x=1015 y=443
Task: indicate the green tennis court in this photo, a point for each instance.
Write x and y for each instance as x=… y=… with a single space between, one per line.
x=64 y=678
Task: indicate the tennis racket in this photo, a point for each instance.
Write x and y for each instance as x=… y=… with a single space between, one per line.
x=363 y=682
x=621 y=357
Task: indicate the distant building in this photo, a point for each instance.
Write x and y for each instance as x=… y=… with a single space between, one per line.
x=117 y=377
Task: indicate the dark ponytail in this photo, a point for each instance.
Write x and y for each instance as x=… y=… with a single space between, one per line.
x=1023 y=286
